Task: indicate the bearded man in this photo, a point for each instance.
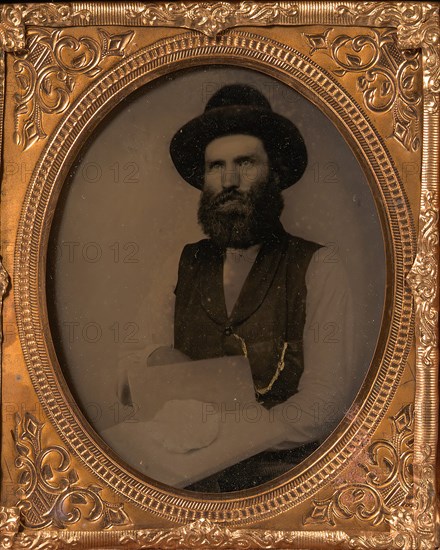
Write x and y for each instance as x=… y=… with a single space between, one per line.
x=244 y=290
x=253 y=289
x=242 y=155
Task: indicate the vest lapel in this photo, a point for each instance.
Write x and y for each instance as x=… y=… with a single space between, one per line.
x=210 y=284
x=259 y=279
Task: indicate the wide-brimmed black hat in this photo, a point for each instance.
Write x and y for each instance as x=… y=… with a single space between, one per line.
x=240 y=109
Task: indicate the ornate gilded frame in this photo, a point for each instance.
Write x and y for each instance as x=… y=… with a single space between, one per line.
x=372 y=486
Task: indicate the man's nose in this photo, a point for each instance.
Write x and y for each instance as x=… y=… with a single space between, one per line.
x=230 y=177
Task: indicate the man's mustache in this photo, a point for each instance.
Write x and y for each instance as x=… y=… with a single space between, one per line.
x=226 y=196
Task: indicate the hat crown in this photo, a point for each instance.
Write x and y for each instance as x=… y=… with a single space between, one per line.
x=236 y=95
x=238 y=109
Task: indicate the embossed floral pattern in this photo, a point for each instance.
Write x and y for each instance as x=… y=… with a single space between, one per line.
x=46 y=74
x=49 y=490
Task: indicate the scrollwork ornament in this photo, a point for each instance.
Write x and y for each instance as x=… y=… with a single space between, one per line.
x=423 y=276
x=12 y=30
x=387 y=76
x=417 y=26
x=47 y=73
x=4 y=283
x=407 y=17
x=49 y=540
x=48 y=13
x=199 y=534
x=15 y=17
x=211 y=17
x=49 y=491
x=425 y=505
x=9 y=524
x=382 y=479
x=205 y=534
x=431 y=61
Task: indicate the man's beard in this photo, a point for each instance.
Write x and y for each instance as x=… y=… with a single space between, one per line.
x=248 y=220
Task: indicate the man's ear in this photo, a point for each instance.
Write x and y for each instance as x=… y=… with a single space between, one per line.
x=276 y=177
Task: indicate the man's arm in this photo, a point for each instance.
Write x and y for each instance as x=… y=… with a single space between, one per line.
x=325 y=390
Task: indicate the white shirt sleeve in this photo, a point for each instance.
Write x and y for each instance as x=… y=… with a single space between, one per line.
x=325 y=390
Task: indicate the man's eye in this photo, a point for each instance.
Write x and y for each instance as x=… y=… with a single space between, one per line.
x=215 y=166
x=246 y=163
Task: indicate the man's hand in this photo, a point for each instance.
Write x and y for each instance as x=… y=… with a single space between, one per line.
x=181 y=426
x=166 y=355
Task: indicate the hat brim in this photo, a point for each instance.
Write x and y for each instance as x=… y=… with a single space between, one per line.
x=281 y=138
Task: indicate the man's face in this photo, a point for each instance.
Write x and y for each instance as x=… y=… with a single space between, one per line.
x=235 y=163
x=240 y=202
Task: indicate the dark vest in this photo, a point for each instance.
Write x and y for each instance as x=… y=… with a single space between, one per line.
x=269 y=313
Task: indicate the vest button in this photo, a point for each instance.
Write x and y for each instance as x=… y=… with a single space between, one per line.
x=228 y=331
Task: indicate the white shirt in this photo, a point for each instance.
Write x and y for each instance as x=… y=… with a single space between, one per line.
x=325 y=390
